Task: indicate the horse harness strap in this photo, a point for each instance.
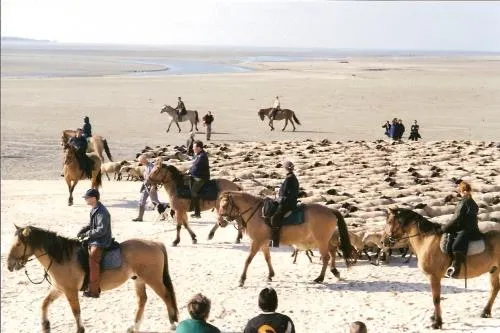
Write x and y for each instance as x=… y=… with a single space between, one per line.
x=46 y=271
x=240 y=214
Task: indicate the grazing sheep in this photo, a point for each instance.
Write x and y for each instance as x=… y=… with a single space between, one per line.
x=134 y=172
x=309 y=253
x=113 y=167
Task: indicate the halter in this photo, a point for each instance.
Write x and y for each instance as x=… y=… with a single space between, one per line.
x=24 y=260
x=239 y=215
x=394 y=240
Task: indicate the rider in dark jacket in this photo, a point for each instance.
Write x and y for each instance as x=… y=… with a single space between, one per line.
x=464 y=227
x=87 y=128
x=181 y=108
x=79 y=142
x=288 y=196
x=200 y=174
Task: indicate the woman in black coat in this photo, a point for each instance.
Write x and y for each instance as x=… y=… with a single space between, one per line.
x=464 y=227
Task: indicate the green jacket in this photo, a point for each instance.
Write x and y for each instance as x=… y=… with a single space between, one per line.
x=196 y=326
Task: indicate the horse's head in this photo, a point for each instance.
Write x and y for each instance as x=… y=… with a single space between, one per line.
x=165 y=174
x=69 y=153
x=20 y=250
x=262 y=114
x=227 y=209
x=397 y=224
x=166 y=108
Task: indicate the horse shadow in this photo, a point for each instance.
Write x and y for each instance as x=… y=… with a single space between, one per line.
x=122 y=204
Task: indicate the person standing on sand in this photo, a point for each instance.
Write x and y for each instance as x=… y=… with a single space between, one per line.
x=393 y=132
x=87 y=128
x=269 y=320
x=414 y=132
x=199 y=310
x=276 y=107
x=207 y=122
x=288 y=196
x=387 y=127
x=401 y=129
x=99 y=237
x=147 y=191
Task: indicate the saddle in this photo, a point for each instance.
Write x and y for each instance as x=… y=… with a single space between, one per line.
x=474 y=247
x=208 y=192
x=292 y=217
x=111 y=259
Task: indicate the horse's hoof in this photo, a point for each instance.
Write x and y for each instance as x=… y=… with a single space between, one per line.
x=175 y=242
x=242 y=283
x=437 y=326
x=485 y=314
x=195 y=241
x=336 y=273
x=210 y=236
x=319 y=280
x=269 y=279
x=80 y=330
x=46 y=326
x=173 y=327
x=238 y=241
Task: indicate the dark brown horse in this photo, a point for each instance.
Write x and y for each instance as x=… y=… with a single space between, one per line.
x=286 y=114
x=145 y=262
x=317 y=231
x=172 y=179
x=425 y=238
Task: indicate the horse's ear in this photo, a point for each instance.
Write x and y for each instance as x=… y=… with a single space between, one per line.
x=17 y=228
x=26 y=232
x=388 y=211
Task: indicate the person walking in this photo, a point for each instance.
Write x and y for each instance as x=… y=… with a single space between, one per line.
x=207 y=122
x=147 y=190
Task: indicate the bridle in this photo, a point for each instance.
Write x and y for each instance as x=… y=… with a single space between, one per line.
x=394 y=240
x=238 y=215
x=24 y=260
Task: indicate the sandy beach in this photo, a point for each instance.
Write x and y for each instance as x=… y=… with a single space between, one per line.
x=346 y=101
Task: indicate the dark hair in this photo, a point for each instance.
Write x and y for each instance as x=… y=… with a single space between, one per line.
x=358 y=327
x=199 y=307
x=268 y=300
x=199 y=144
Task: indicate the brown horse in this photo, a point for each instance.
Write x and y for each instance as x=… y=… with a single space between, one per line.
x=97 y=144
x=425 y=238
x=144 y=261
x=73 y=173
x=172 y=179
x=316 y=231
x=286 y=114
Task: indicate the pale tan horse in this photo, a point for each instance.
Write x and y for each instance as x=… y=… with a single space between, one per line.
x=424 y=237
x=143 y=261
x=191 y=116
x=286 y=114
x=73 y=173
x=172 y=179
x=317 y=231
x=97 y=144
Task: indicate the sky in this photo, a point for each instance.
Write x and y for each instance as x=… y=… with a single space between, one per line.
x=452 y=26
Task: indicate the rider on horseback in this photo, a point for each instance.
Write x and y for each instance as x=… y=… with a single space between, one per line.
x=200 y=174
x=99 y=237
x=288 y=195
x=87 y=128
x=276 y=107
x=79 y=142
x=181 y=109
x=464 y=228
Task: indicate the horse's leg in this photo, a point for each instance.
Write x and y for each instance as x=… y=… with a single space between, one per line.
x=51 y=297
x=212 y=231
x=294 y=255
x=437 y=321
x=309 y=256
x=286 y=123
x=191 y=232
x=70 y=198
x=271 y=125
x=239 y=237
x=170 y=124
x=495 y=287
x=177 y=123
x=179 y=217
x=325 y=257
x=366 y=252
x=74 y=303
x=142 y=297
x=254 y=248
x=333 y=268
x=267 y=256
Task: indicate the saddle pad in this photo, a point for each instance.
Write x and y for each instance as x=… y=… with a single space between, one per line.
x=111 y=258
x=208 y=192
x=294 y=217
x=475 y=247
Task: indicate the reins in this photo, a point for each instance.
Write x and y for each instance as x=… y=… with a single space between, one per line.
x=46 y=271
x=240 y=214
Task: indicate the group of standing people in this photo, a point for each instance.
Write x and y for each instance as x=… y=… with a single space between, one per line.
x=396 y=129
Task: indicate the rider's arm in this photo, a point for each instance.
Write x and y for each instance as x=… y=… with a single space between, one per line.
x=453 y=224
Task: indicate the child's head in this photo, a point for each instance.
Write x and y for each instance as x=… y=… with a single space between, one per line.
x=268 y=300
x=357 y=327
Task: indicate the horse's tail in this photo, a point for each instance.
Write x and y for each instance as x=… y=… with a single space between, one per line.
x=98 y=179
x=196 y=118
x=295 y=118
x=106 y=149
x=345 y=241
x=167 y=281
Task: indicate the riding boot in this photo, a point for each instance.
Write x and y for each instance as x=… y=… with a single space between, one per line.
x=275 y=232
x=196 y=205
x=141 y=214
x=454 y=270
x=95 y=255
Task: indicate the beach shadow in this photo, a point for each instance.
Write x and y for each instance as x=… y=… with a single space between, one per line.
x=391 y=286
x=123 y=204
x=325 y=132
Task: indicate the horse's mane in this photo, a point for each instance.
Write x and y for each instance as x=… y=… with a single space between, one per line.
x=406 y=216
x=176 y=174
x=245 y=195
x=57 y=247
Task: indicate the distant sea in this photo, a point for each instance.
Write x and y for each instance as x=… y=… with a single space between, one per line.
x=181 y=60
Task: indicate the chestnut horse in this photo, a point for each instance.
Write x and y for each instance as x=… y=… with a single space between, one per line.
x=172 y=179
x=424 y=237
x=320 y=223
x=96 y=145
x=286 y=114
x=143 y=261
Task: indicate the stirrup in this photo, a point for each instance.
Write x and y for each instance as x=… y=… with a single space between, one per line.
x=88 y=294
x=449 y=272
